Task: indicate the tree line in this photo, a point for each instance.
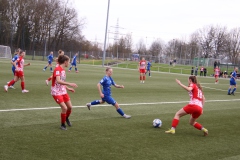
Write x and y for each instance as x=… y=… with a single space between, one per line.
x=54 y=24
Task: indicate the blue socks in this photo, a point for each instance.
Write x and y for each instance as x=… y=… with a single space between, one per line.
x=120 y=111
x=229 y=90
x=95 y=102
x=234 y=90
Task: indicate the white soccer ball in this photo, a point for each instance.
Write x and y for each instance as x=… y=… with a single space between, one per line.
x=157 y=123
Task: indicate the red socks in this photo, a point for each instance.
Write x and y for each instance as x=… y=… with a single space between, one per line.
x=11 y=83
x=63 y=118
x=175 y=123
x=198 y=126
x=68 y=113
x=23 y=85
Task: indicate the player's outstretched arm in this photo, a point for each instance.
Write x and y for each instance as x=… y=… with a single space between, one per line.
x=65 y=83
x=183 y=86
x=70 y=89
x=119 y=86
x=27 y=64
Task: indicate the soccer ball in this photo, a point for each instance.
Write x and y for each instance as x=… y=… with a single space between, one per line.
x=157 y=123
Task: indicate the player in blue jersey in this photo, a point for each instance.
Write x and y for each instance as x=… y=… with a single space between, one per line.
x=50 y=60
x=13 y=67
x=233 y=82
x=105 y=93
x=74 y=63
x=149 y=65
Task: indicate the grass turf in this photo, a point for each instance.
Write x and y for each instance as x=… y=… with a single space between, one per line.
x=101 y=133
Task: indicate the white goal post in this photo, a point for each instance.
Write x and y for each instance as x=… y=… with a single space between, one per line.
x=5 y=52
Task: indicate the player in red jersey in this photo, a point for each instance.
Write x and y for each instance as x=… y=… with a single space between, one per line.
x=142 y=68
x=194 y=107
x=60 y=52
x=59 y=90
x=216 y=74
x=19 y=74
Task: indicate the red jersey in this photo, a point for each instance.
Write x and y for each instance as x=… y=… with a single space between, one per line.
x=216 y=71
x=142 y=64
x=56 y=88
x=20 y=64
x=196 y=95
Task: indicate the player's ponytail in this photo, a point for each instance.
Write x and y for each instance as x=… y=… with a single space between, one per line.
x=195 y=81
x=62 y=59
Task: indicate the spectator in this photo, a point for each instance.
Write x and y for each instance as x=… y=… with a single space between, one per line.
x=218 y=64
x=201 y=71
x=196 y=70
x=170 y=62
x=225 y=74
x=221 y=74
x=192 y=71
x=174 y=62
x=205 y=72
x=215 y=64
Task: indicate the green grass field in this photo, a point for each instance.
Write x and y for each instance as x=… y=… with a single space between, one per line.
x=31 y=121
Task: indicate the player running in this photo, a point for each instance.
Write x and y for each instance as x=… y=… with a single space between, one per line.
x=74 y=63
x=59 y=90
x=19 y=74
x=13 y=67
x=105 y=94
x=194 y=107
x=50 y=60
x=149 y=65
x=142 y=69
x=60 y=52
x=216 y=74
x=233 y=82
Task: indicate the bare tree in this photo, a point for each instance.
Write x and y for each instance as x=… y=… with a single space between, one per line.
x=141 y=47
x=233 y=45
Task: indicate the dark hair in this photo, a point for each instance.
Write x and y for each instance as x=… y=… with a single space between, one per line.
x=194 y=80
x=62 y=59
x=60 y=51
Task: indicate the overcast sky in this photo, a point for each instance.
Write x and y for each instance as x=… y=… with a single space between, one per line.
x=153 y=19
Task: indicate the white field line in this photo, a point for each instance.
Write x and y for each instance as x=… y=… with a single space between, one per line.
x=226 y=90
x=129 y=104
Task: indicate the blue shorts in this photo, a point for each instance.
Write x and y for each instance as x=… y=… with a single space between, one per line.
x=148 y=69
x=109 y=100
x=73 y=64
x=49 y=62
x=233 y=83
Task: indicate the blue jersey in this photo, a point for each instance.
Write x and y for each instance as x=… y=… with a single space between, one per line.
x=106 y=83
x=74 y=60
x=149 y=65
x=13 y=60
x=50 y=58
x=233 y=76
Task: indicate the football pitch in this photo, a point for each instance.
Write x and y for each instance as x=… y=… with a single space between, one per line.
x=30 y=122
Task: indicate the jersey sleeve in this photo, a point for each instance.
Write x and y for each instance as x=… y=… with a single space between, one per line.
x=102 y=81
x=56 y=72
x=113 y=83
